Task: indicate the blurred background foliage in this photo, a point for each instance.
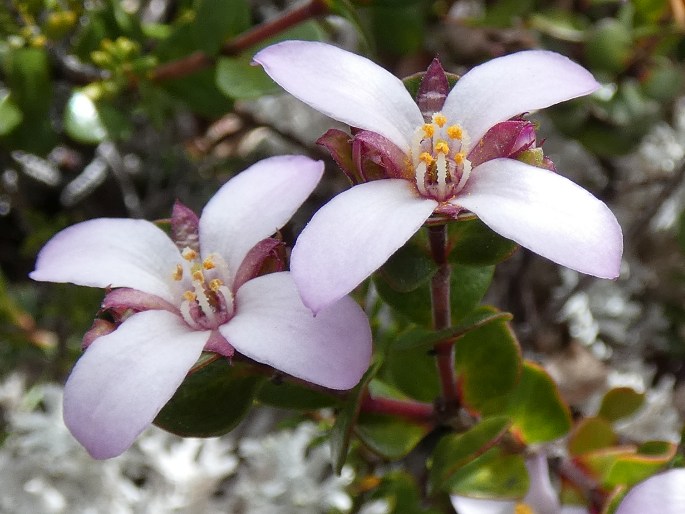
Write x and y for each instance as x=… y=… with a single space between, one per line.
x=116 y=108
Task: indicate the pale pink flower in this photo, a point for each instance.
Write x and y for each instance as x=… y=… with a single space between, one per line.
x=660 y=494
x=203 y=294
x=359 y=229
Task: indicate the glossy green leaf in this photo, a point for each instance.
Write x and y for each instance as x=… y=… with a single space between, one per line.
x=217 y=20
x=468 y=283
x=495 y=474
x=536 y=408
x=399 y=490
x=474 y=243
x=211 y=401
x=408 y=268
x=28 y=76
x=346 y=418
x=10 y=114
x=488 y=363
x=398 y=29
x=286 y=395
x=620 y=402
x=456 y=450
x=591 y=434
x=82 y=121
x=414 y=372
x=238 y=79
x=390 y=436
x=650 y=458
x=427 y=339
x=609 y=46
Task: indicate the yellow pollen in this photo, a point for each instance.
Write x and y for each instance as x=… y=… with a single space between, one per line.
x=215 y=284
x=208 y=263
x=439 y=119
x=428 y=130
x=190 y=296
x=442 y=147
x=197 y=275
x=459 y=157
x=427 y=158
x=178 y=272
x=454 y=132
x=189 y=254
x=522 y=508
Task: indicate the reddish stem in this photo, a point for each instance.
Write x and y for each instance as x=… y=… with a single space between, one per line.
x=198 y=61
x=442 y=317
x=416 y=411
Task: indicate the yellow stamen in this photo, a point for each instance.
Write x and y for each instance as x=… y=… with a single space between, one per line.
x=198 y=276
x=459 y=157
x=428 y=130
x=208 y=263
x=189 y=254
x=522 y=508
x=454 y=132
x=439 y=119
x=442 y=147
x=190 y=296
x=215 y=284
x=427 y=158
x=178 y=272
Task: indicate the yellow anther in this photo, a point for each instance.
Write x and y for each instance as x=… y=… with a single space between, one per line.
x=215 y=284
x=442 y=147
x=439 y=119
x=208 y=263
x=189 y=254
x=198 y=276
x=455 y=132
x=459 y=157
x=427 y=158
x=522 y=508
x=190 y=296
x=428 y=130
x=178 y=272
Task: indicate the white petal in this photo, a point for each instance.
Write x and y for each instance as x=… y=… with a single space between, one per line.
x=272 y=326
x=661 y=494
x=344 y=86
x=541 y=494
x=353 y=235
x=465 y=505
x=255 y=204
x=547 y=214
x=512 y=85
x=111 y=252
x=124 y=379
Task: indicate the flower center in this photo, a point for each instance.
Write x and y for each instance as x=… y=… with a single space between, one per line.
x=208 y=302
x=440 y=164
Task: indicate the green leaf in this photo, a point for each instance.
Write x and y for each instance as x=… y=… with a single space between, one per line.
x=591 y=434
x=29 y=79
x=211 y=401
x=200 y=92
x=620 y=402
x=286 y=395
x=609 y=46
x=398 y=29
x=650 y=458
x=427 y=339
x=401 y=493
x=237 y=78
x=538 y=412
x=408 y=268
x=456 y=450
x=90 y=123
x=414 y=372
x=475 y=244
x=495 y=474
x=488 y=363
x=390 y=436
x=347 y=417
x=469 y=284
x=217 y=20
x=10 y=114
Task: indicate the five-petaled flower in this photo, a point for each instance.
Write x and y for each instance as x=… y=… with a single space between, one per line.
x=201 y=290
x=443 y=167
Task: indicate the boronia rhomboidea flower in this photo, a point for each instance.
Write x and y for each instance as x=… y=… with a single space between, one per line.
x=450 y=153
x=199 y=290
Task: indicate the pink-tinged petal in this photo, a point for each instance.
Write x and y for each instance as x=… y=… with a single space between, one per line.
x=661 y=494
x=466 y=505
x=514 y=84
x=547 y=214
x=344 y=86
x=124 y=298
x=256 y=258
x=272 y=326
x=111 y=253
x=353 y=235
x=185 y=227
x=124 y=379
x=255 y=204
x=573 y=509
x=541 y=494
